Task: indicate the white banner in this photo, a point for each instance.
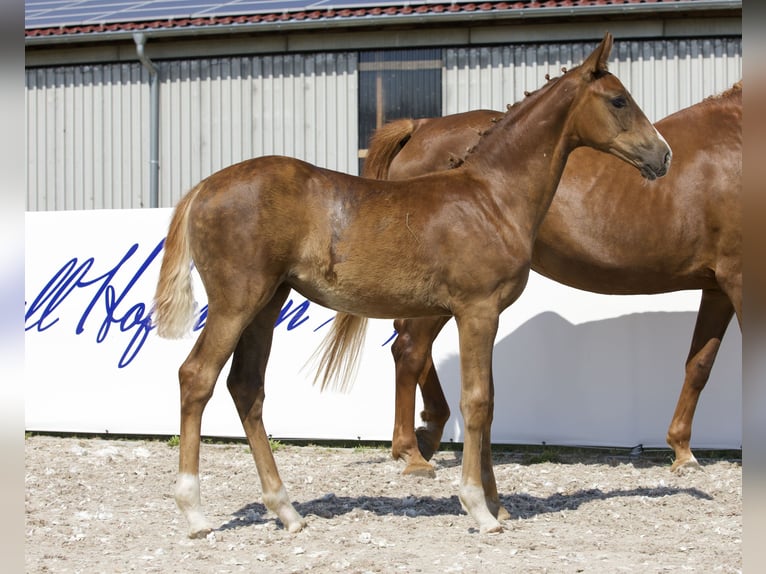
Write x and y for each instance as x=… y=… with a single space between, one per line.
x=571 y=368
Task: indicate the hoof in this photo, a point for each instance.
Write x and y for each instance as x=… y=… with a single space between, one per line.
x=198 y=533
x=491 y=528
x=420 y=469
x=425 y=443
x=199 y=527
x=498 y=510
x=682 y=466
x=296 y=526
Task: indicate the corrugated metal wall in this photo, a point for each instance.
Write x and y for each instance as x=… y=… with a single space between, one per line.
x=88 y=126
x=87 y=137
x=663 y=75
x=220 y=111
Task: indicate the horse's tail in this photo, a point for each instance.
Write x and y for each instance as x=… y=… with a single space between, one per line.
x=339 y=352
x=385 y=143
x=174 y=300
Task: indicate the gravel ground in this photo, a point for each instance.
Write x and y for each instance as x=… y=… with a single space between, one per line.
x=103 y=505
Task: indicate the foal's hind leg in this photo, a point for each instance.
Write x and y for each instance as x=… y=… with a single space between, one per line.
x=246 y=385
x=197 y=376
x=412 y=357
x=713 y=318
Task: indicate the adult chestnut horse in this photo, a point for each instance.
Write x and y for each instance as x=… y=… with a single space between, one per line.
x=453 y=243
x=606 y=231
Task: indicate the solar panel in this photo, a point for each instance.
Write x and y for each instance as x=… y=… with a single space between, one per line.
x=54 y=13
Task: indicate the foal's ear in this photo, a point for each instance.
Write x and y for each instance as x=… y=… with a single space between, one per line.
x=596 y=63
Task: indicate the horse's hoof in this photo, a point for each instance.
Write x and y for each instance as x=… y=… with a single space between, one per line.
x=420 y=469
x=425 y=444
x=503 y=514
x=491 y=528
x=683 y=466
x=296 y=526
x=198 y=533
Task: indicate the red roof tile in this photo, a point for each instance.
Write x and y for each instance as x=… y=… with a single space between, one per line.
x=338 y=15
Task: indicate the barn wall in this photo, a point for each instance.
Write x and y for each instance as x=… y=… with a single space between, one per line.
x=88 y=129
x=87 y=138
x=663 y=75
x=220 y=111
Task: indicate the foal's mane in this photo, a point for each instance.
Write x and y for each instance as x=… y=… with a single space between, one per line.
x=511 y=112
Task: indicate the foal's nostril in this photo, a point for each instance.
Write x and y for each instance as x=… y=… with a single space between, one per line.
x=668 y=155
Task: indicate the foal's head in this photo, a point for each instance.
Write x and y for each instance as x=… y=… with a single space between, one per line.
x=606 y=117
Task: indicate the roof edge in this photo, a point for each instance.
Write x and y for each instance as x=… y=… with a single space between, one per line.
x=224 y=25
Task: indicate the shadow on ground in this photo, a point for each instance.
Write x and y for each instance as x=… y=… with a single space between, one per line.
x=520 y=505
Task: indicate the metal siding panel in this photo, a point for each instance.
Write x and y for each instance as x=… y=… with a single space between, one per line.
x=59 y=143
x=300 y=110
x=222 y=111
x=76 y=103
x=258 y=107
x=125 y=141
x=663 y=75
x=88 y=157
x=329 y=111
x=196 y=124
x=32 y=140
x=88 y=132
x=317 y=106
x=109 y=138
x=347 y=105
x=71 y=145
x=67 y=137
x=94 y=151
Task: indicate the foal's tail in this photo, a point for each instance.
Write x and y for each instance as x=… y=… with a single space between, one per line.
x=339 y=352
x=386 y=142
x=174 y=300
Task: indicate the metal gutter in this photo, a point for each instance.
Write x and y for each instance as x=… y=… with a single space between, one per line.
x=154 y=120
x=646 y=9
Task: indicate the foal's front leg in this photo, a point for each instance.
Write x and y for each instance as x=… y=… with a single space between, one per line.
x=477 y=335
x=487 y=471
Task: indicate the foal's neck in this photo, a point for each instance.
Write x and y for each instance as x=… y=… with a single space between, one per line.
x=522 y=157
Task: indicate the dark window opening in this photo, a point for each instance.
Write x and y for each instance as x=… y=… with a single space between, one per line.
x=397 y=84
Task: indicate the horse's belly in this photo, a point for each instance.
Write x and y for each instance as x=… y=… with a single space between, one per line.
x=376 y=299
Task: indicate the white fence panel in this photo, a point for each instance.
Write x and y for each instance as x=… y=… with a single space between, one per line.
x=570 y=367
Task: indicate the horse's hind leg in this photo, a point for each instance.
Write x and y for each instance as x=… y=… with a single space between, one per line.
x=246 y=385
x=713 y=318
x=435 y=413
x=412 y=356
x=197 y=376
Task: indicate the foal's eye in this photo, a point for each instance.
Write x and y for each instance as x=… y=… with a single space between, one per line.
x=619 y=102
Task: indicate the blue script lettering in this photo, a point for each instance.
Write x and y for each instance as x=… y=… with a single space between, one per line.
x=297 y=316
x=110 y=306
x=41 y=313
x=201 y=320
